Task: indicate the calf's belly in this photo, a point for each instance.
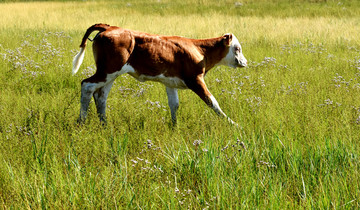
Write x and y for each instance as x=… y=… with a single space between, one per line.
x=172 y=82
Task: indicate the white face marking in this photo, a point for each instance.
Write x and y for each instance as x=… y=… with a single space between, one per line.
x=235 y=57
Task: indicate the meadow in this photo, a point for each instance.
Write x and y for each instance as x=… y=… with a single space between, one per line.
x=297 y=104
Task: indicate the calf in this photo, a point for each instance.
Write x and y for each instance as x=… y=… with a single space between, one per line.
x=177 y=62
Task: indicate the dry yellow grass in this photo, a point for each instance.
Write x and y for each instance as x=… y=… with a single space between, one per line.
x=67 y=16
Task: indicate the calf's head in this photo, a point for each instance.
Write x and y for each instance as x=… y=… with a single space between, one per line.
x=234 y=58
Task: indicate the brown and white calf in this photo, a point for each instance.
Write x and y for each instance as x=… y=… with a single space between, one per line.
x=177 y=62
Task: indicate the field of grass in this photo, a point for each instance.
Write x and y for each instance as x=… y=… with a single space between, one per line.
x=297 y=104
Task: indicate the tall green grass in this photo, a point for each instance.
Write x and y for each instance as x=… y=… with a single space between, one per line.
x=297 y=104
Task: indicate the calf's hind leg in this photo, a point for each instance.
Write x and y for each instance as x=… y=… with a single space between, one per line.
x=88 y=87
x=100 y=97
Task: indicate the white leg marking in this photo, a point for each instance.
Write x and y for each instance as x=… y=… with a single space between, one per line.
x=217 y=109
x=173 y=100
x=87 y=90
x=97 y=90
x=100 y=91
x=100 y=97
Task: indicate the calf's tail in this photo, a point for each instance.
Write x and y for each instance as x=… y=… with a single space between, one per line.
x=78 y=59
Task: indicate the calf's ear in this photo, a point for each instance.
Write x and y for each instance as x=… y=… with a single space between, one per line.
x=227 y=39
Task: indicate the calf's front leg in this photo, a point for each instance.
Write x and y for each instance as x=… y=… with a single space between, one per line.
x=173 y=100
x=199 y=87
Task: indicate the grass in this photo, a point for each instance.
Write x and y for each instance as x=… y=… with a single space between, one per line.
x=297 y=104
